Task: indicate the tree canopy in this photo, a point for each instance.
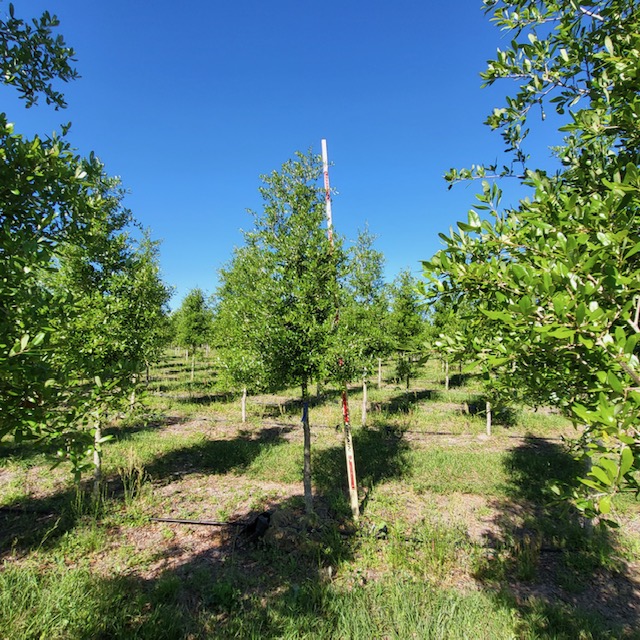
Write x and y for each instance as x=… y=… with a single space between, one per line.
x=555 y=279
x=80 y=299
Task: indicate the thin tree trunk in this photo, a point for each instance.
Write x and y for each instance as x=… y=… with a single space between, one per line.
x=306 y=469
x=364 y=402
x=193 y=365
x=379 y=372
x=147 y=372
x=244 y=404
x=132 y=397
x=488 y=407
x=97 y=460
x=446 y=375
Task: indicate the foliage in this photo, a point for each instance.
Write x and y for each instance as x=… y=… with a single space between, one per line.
x=281 y=287
x=31 y=57
x=406 y=323
x=361 y=337
x=78 y=302
x=555 y=280
x=241 y=296
x=194 y=321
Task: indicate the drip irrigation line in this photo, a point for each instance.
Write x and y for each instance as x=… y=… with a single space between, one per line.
x=207 y=523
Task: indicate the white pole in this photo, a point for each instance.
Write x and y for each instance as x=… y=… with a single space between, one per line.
x=327 y=190
x=348 y=439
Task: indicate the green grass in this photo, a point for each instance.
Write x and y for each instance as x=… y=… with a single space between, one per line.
x=458 y=537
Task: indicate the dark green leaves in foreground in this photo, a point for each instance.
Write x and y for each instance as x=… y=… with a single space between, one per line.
x=553 y=284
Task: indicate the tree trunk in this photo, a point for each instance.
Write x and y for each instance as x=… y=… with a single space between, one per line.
x=306 y=469
x=97 y=460
x=147 y=372
x=379 y=372
x=488 y=407
x=193 y=365
x=364 y=402
x=446 y=375
x=132 y=397
x=244 y=404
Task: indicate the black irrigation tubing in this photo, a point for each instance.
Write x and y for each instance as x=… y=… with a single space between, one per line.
x=207 y=523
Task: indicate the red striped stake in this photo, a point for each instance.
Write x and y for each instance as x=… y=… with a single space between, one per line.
x=348 y=440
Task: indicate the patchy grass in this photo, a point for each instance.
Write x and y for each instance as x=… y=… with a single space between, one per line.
x=458 y=538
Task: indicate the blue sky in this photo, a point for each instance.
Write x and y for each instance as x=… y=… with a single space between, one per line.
x=190 y=103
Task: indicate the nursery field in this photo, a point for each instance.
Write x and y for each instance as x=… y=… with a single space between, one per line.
x=459 y=534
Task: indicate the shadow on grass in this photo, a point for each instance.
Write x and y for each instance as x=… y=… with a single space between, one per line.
x=379 y=456
x=403 y=402
x=195 y=397
x=208 y=582
x=217 y=456
x=502 y=415
x=30 y=523
x=563 y=574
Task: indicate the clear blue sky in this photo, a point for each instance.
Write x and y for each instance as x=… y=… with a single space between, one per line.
x=189 y=103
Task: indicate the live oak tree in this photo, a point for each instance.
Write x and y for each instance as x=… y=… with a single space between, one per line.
x=241 y=295
x=556 y=278
x=106 y=332
x=361 y=338
x=63 y=332
x=281 y=288
x=406 y=324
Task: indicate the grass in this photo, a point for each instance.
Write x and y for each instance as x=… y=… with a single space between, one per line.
x=458 y=536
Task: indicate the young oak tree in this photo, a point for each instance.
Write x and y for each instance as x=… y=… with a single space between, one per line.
x=406 y=324
x=193 y=324
x=361 y=339
x=556 y=278
x=282 y=286
x=60 y=221
x=240 y=297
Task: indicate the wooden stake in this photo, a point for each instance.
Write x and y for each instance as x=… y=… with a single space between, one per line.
x=348 y=441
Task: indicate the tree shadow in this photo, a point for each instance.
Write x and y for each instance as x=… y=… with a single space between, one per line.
x=217 y=582
x=458 y=380
x=139 y=423
x=565 y=576
x=403 y=402
x=40 y=522
x=501 y=414
x=379 y=455
x=205 y=398
x=217 y=456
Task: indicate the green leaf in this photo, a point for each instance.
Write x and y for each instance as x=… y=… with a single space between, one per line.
x=626 y=461
x=614 y=382
x=608 y=45
x=600 y=475
x=604 y=506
